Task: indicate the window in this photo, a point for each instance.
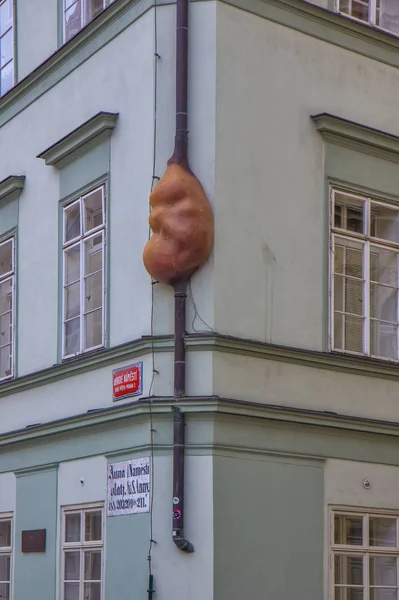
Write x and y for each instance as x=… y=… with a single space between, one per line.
x=364 y=556
x=83 y=546
x=6 y=46
x=7 y=275
x=365 y=266
x=5 y=557
x=83 y=273
x=78 y=13
x=380 y=13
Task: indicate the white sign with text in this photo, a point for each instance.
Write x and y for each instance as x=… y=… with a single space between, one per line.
x=129 y=487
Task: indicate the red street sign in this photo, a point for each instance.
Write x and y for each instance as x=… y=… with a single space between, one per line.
x=127 y=381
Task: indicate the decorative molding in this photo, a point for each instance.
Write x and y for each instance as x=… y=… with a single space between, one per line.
x=88 y=362
x=349 y=134
x=98 y=128
x=215 y=408
x=11 y=187
x=331 y=361
x=326 y=25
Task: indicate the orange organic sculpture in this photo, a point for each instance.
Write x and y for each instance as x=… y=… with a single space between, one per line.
x=181 y=220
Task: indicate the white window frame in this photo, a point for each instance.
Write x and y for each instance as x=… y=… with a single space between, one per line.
x=82 y=545
x=83 y=3
x=372 y=16
x=10 y=276
x=365 y=550
x=12 y=59
x=81 y=240
x=367 y=240
x=8 y=550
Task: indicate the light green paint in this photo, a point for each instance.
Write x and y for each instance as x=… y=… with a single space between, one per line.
x=70 y=56
x=268 y=536
x=84 y=172
x=126 y=570
x=36 y=508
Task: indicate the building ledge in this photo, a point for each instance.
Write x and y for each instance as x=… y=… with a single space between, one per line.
x=11 y=187
x=93 y=131
x=349 y=134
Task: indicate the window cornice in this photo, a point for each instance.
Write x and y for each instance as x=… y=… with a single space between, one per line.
x=355 y=136
x=11 y=187
x=95 y=130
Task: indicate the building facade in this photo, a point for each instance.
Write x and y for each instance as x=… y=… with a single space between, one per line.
x=291 y=458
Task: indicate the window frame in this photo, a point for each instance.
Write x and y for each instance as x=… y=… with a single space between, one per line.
x=371 y=17
x=9 y=550
x=367 y=241
x=10 y=276
x=66 y=246
x=12 y=59
x=366 y=550
x=83 y=24
x=82 y=545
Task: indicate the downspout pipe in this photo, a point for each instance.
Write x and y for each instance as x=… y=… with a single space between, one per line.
x=180 y=288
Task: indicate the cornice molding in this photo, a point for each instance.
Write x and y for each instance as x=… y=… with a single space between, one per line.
x=355 y=136
x=214 y=407
x=96 y=129
x=11 y=187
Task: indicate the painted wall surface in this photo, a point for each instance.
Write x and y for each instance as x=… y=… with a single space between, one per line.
x=82 y=481
x=271 y=243
x=36 y=509
x=287 y=384
x=7 y=492
x=268 y=538
x=37 y=27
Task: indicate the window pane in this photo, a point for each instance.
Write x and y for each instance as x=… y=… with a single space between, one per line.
x=93 y=250
x=93 y=8
x=5 y=534
x=5 y=591
x=384 y=266
x=339 y=331
x=6 y=78
x=72 y=337
x=72 y=264
x=5 y=329
x=6 y=296
x=94 y=329
x=72 y=566
x=6 y=50
x=348 y=594
x=92 y=566
x=73 y=22
x=381 y=594
x=353 y=296
x=5 y=361
x=348 y=530
x=384 y=339
x=93 y=291
x=93 y=209
x=72 y=222
x=348 y=258
x=388 y=15
x=385 y=219
x=382 y=532
x=4 y=568
x=71 y=591
x=6 y=258
x=383 y=570
x=72 y=527
x=92 y=591
x=348 y=569
x=5 y=16
x=93 y=526
x=72 y=300
x=349 y=212
x=383 y=302
x=353 y=334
